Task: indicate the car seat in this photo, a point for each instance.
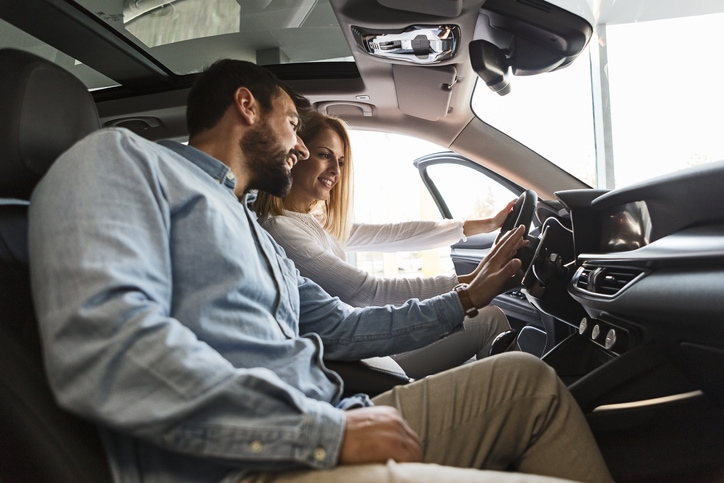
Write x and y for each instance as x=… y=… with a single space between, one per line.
x=43 y=111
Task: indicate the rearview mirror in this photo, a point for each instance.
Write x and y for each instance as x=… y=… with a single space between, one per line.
x=490 y=64
x=522 y=38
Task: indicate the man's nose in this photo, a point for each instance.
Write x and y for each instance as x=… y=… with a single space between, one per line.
x=301 y=148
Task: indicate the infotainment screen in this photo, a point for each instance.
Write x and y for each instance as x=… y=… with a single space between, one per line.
x=626 y=227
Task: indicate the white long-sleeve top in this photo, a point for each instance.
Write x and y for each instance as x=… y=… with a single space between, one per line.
x=321 y=257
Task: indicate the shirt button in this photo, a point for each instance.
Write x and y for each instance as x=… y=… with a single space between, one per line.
x=256 y=446
x=229 y=175
x=320 y=454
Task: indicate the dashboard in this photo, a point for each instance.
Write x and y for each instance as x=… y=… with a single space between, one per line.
x=639 y=270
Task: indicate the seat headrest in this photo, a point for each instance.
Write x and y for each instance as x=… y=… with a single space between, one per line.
x=44 y=110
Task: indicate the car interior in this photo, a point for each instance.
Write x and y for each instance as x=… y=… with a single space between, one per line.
x=621 y=288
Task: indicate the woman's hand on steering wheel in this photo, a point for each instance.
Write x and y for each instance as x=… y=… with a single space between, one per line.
x=521 y=214
x=487 y=225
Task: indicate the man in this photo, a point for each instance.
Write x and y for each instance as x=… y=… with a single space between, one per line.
x=173 y=321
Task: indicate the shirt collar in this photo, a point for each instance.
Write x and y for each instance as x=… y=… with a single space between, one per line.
x=210 y=165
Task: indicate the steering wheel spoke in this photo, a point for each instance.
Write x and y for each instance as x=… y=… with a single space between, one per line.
x=521 y=214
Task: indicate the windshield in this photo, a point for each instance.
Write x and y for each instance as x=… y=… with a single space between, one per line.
x=644 y=99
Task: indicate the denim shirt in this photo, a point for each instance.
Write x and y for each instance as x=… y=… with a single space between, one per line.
x=171 y=319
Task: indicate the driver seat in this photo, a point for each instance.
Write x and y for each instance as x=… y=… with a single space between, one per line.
x=45 y=110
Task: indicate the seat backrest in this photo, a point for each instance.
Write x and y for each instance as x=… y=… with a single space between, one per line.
x=43 y=111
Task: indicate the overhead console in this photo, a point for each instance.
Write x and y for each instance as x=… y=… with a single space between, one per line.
x=501 y=39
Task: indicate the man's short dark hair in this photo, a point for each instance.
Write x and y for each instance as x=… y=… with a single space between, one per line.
x=213 y=92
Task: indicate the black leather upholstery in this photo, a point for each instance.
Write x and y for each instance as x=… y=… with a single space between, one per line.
x=370 y=376
x=43 y=111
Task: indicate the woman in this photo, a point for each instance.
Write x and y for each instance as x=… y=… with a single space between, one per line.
x=312 y=223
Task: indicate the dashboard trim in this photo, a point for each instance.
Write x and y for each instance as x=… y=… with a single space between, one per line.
x=649 y=402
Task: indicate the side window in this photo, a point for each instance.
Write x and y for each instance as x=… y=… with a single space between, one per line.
x=467 y=192
x=388 y=189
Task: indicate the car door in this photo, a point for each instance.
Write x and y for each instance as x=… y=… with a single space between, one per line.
x=463 y=189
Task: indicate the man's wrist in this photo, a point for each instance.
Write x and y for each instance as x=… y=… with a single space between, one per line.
x=462 y=290
x=464 y=279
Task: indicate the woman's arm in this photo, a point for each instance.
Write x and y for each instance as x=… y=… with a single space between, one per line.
x=420 y=235
x=486 y=225
x=404 y=236
x=312 y=254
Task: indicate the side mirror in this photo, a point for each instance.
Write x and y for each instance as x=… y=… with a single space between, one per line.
x=490 y=63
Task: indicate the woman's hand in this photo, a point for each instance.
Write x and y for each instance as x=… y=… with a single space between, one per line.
x=486 y=225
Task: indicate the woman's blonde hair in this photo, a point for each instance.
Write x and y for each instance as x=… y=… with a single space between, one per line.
x=336 y=212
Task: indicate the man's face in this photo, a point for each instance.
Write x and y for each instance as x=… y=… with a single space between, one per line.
x=272 y=148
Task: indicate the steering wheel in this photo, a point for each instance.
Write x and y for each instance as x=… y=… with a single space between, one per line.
x=522 y=213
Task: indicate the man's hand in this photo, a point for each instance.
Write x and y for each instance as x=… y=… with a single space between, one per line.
x=377 y=434
x=497 y=268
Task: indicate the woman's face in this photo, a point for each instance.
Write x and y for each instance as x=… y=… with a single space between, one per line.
x=314 y=178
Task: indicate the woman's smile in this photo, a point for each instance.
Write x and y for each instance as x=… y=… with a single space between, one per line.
x=329 y=183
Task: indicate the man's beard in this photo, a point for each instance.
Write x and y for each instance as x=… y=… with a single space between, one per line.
x=267 y=161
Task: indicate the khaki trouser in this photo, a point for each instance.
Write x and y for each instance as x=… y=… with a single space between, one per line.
x=505 y=412
x=456 y=349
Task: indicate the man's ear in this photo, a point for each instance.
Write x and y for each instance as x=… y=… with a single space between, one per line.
x=246 y=105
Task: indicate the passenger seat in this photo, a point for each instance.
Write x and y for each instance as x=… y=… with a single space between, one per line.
x=43 y=111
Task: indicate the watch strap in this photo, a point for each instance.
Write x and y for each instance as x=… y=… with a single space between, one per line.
x=470 y=309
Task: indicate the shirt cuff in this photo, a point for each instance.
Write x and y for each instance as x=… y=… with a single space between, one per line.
x=322 y=436
x=449 y=310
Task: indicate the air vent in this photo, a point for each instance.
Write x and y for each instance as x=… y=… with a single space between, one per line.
x=605 y=280
x=584 y=274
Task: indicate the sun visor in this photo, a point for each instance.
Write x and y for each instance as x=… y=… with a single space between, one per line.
x=434 y=86
x=527 y=37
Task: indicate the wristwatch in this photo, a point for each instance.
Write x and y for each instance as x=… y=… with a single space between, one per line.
x=462 y=290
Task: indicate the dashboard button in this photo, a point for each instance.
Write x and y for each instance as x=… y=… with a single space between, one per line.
x=583 y=326
x=610 y=339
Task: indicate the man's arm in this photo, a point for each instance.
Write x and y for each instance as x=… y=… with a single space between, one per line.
x=356 y=333
x=353 y=334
